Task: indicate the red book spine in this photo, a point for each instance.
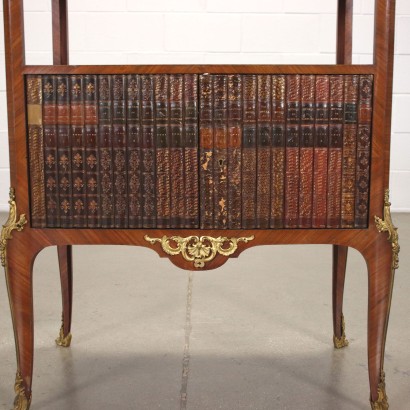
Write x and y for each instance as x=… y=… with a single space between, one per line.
x=106 y=151
x=363 y=151
x=134 y=148
x=264 y=131
x=234 y=151
x=220 y=168
x=148 y=157
x=320 y=179
x=334 y=191
x=206 y=152
x=176 y=84
x=91 y=151
x=78 y=151
x=306 y=150
x=50 y=151
x=349 y=150
x=64 y=151
x=190 y=142
x=278 y=151
x=249 y=158
x=119 y=144
x=36 y=150
x=292 y=152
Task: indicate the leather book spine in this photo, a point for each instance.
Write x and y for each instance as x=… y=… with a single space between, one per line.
x=334 y=189
x=249 y=158
x=36 y=151
x=176 y=151
x=50 y=151
x=349 y=150
x=264 y=136
x=220 y=151
x=321 y=152
x=105 y=139
x=119 y=145
x=134 y=151
x=234 y=151
x=363 y=151
x=278 y=151
x=292 y=151
x=64 y=152
x=91 y=151
x=78 y=151
x=206 y=152
x=308 y=92
x=190 y=135
x=148 y=157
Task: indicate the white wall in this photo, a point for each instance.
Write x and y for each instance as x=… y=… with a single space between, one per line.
x=218 y=31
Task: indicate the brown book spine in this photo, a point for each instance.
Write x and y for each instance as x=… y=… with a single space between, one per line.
x=78 y=151
x=91 y=151
x=206 y=152
x=36 y=150
x=148 y=157
x=363 y=151
x=134 y=149
x=176 y=151
x=278 y=151
x=64 y=152
x=234 y=151
x=308 y=91
x=119 y=145
x=50 y=151
x=349 y=150
x=292 y=152
x=334 y=190
x=190 y=130
x=264 y=136
x=105 y=151
x=249 y=158
x=220 y=151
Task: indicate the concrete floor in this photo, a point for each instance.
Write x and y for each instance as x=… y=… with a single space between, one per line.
x=254 y=334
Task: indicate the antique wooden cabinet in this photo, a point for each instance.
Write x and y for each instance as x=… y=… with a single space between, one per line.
x=200 y=162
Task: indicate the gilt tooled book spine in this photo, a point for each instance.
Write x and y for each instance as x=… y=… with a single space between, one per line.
x=249 y=158
x=308 y=91
x=349 y=150
x=176 y=151
x=190 y=130
x=162 y=152
x=119 y=144
x=334 y=190
x=363 y=151
x=64 y=152
x=134 y=149
x=321 y=153
x=148 y=157
x=50 y=151
x=91 y=151
x=234 y=151
x=36 y=150
x=78 y=151
x=264 y=136
x=105 y=139
x=278 y=151
x=206 y=152
x=220 y=177
x=292 y=152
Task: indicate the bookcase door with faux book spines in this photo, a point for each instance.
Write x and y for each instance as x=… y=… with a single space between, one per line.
x=209 y=151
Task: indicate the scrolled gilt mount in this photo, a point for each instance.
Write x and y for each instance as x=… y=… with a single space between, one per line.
x=11 y=224
x=199 y=249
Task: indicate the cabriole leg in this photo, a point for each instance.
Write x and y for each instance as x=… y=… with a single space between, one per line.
x=66 y=276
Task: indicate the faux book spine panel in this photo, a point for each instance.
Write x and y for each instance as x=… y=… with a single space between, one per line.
x=209 y=151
